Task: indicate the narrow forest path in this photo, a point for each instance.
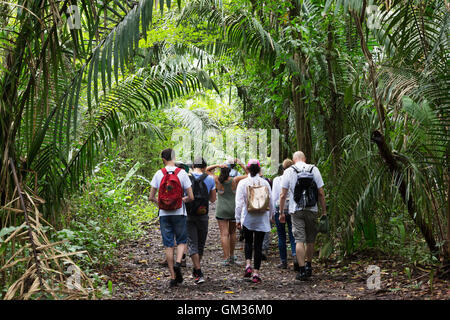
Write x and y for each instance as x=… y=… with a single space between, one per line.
x=138 y=275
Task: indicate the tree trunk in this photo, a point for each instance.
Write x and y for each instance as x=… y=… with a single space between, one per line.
x=302 y=125
x=396 y=170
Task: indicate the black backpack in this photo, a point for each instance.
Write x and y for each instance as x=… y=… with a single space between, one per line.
x=305 y=191
x=200 y=205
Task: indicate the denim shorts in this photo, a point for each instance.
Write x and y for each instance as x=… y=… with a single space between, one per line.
x=173 y=227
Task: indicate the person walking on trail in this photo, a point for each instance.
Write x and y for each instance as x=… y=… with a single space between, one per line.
x=164 y=263
x=204 y=190
x=281 y=227
x=253 y=213
x=226 y=187
x=304 y=183
x=171 y=182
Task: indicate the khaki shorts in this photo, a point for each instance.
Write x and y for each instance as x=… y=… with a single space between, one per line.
x=304 y=226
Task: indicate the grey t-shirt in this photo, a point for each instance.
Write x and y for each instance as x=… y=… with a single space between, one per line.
x=289 y=180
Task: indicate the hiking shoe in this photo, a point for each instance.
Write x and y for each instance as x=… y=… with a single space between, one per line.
x=183 y=263
x=173 y=283
x=296 y=267
x=308 y=270
x=301 y=276
x=226 y=262
x=256 y=279
x=248 y=272
x=282 y=265
x=178 y=274
x=199 y=279
x=198 y=276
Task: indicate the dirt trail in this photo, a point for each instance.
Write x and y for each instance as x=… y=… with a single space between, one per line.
x=138 y=275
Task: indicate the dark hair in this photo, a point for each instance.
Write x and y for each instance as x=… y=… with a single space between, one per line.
x=224 y=174
x=168 y=154
x=280 y=170
x=199 y=162
x=254 y=169
x=181 y=165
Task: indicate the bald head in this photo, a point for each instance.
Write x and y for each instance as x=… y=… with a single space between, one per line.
x=299 y=156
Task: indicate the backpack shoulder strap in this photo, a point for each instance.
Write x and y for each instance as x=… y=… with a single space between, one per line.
x=203 y=177
x=312 y=167
x=164 y=171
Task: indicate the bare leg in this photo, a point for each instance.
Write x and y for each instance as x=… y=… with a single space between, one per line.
x=196 y=261
x=224 y=238
x=300 y=251
x=180 y=251
x=309 y=251
x=169 y=259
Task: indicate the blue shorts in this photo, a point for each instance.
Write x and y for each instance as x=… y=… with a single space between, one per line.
x=173 y=227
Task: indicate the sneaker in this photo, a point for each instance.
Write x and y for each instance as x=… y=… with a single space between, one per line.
x=173 y=283
x=256 y=279
x=296 y=266
x=282 y=265
x=226 y=262
x=198 y=276
x=178 y=274
x=248 y=272
x=308 y=269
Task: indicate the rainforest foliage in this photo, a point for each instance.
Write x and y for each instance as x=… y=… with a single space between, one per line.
x=91 y=92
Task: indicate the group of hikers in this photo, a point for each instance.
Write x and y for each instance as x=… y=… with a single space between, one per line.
x=248 y=202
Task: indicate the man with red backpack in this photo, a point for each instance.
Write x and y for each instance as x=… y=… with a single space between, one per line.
x=171 y=183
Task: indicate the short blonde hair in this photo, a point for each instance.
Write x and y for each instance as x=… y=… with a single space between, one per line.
x=287 y=163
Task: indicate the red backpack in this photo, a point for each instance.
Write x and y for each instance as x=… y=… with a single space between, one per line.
x=170 y=193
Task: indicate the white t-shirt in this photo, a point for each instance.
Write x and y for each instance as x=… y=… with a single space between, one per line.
x=254 y=221
x=185 y=184
x=276 y=191
x=289 y=180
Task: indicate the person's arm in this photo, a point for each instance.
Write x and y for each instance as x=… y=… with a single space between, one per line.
x=239 y=205
x=283 y=196
x=235 y=182
x=322 y=201
x=271 y=207
x=212 y=196
x=152 y=196
x=239 y=162
x=190 y=195
x=211 y=168
x=276 y=191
